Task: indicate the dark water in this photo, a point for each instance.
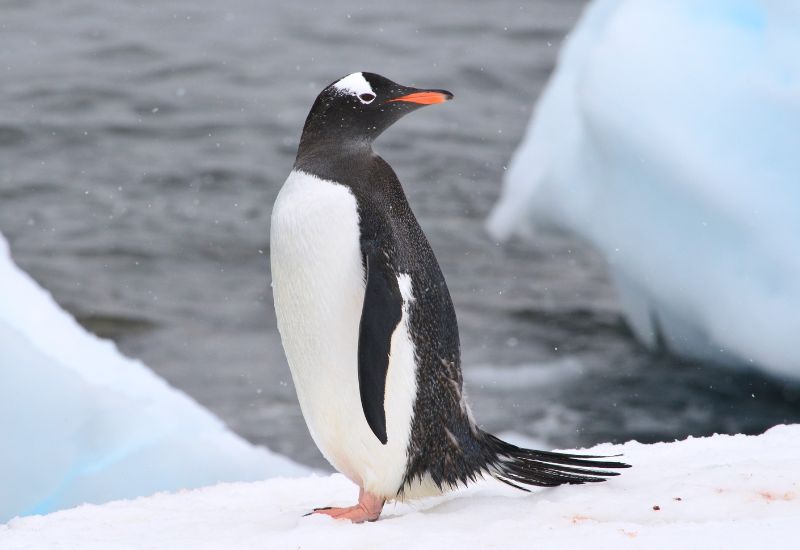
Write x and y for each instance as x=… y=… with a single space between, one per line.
x=142 y=145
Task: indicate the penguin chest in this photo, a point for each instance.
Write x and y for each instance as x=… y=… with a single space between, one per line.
x=318 y=285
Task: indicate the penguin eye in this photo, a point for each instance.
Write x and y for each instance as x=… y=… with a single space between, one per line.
x=366 y=97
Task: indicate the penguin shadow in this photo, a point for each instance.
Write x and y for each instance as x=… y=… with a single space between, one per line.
x=488 y=494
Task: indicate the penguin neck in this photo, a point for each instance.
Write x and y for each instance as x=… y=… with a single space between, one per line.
x=333 y=157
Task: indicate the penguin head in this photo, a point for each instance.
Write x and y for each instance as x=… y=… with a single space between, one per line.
x=360 y=106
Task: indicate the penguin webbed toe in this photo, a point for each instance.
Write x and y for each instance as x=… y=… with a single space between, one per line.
x=368 y=509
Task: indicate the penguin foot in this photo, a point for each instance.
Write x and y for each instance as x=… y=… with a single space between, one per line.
x=368 y=509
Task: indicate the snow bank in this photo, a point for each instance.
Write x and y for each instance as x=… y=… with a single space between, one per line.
x=668 y=137
x=723 y=492
x=81 y=423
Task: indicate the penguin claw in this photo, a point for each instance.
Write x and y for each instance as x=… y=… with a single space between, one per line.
x=315 y=510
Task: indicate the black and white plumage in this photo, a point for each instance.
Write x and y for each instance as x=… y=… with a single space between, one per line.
x=366 y=318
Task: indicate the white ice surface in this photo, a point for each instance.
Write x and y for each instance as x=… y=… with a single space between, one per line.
x=724 y=492
x=82 y=423
x=668 y=137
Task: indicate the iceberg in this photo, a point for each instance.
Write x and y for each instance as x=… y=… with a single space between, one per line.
x=668 y=138
x=82 y=423
x=721 y=492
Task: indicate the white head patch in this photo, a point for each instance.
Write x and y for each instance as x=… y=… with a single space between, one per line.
x=355 y=84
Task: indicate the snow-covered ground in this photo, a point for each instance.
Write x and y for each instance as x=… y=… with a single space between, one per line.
x=82 y=423
x=668 y=137
x=724 y=492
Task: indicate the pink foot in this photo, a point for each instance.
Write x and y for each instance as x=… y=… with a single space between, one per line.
x=368 y=509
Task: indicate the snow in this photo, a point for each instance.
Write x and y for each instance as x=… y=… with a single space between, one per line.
x=82 y=423
x=667 y=137
x=723 y=492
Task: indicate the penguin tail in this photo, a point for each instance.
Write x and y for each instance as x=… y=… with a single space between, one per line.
x=516 y=466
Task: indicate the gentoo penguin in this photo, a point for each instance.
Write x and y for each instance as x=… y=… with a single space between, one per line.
x=367 y=322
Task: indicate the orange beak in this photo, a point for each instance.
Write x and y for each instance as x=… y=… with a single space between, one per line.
x=428 y=97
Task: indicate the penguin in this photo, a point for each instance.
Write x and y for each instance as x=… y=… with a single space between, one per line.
x=367 y=322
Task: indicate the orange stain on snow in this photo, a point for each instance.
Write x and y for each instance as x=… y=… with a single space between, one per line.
x=578 y=519
x=769 y=496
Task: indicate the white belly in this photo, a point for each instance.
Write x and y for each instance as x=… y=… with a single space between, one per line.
x=318 y=288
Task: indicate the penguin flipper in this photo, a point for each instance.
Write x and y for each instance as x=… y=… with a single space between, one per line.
x=381 y=312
